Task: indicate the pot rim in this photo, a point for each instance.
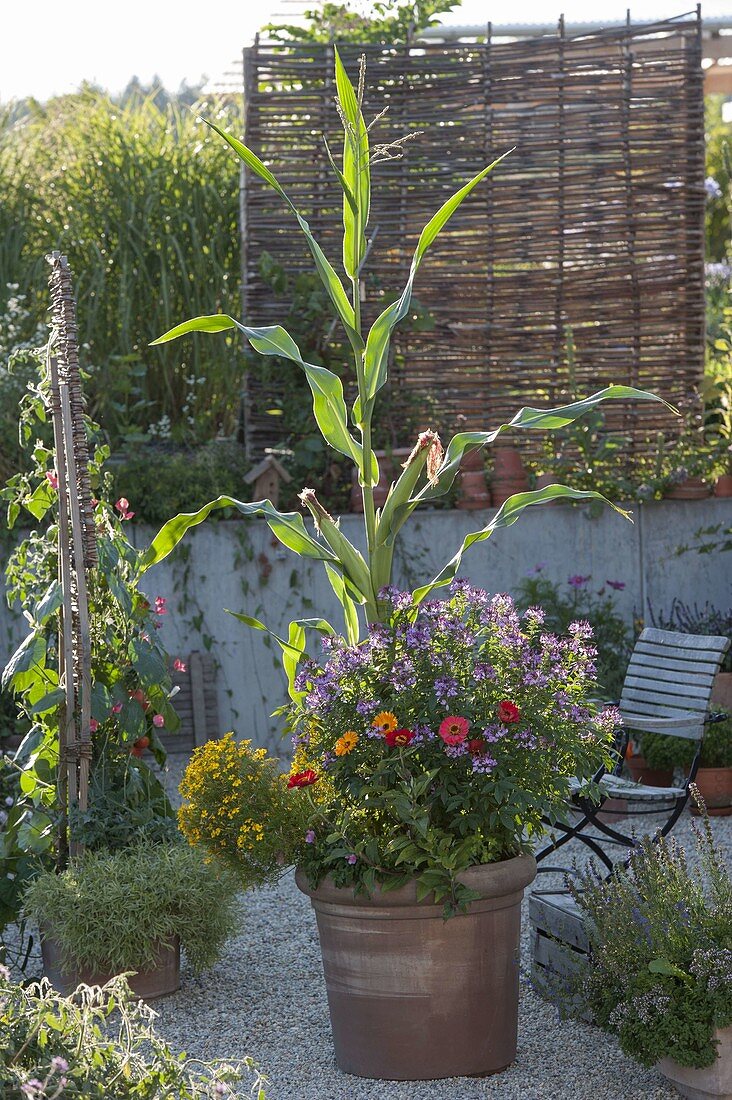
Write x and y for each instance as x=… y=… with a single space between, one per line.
x=493 y=880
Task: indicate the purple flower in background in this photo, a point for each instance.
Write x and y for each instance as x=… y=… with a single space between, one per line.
x=617 y=585
x=483 y=764
x=535 y=615
x=445 y=689
x=59 y=1065
x=718 y=274
x=352 y=858
x=580 y=629
x=484 y=671
x=365 y=707
x=712 y=188
x=578 y=581
x=537 y=569
x=310 y=836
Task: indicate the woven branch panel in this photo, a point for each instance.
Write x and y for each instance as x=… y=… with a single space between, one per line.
x=595 y=220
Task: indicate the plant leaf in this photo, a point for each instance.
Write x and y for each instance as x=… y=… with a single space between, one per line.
x=288 y=527
x=377 y=343
x=507 y=514
x=356 y=173
x=325 y=270
x=350 y=613
x=329 y=406
x=528 y=417
x=292 y=649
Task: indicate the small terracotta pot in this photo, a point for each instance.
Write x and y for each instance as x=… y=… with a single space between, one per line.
x=715 y=787
x=473 y=489
x=158 y=981
x=507 y=462
x=711 y=1083
x=692 y=488
x=722 y=690
x=414 y=997
x=653 y=777
x=723 y=486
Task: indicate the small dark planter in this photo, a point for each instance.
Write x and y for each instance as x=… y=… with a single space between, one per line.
x=159 y=981
x=414 y=997
x=653 y=777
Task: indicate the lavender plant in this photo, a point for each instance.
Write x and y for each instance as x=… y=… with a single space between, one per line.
x=429 y=472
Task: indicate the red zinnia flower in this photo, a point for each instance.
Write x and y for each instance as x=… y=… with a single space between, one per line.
x=302 y=779
x=398 y=737
x=476 y=746
x=508 y=712
x=453 y=731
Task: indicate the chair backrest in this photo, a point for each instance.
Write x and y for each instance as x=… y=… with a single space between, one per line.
x=670 y=676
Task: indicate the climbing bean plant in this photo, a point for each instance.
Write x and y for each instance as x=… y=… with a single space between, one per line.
x=429 y=472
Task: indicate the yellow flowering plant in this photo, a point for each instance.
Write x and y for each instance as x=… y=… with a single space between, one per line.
x=238 y=808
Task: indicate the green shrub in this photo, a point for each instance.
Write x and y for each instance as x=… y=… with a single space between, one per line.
x=662 y=751
x=108 y=909
x=717 y=745
x=160 y=483
x=121 y=1056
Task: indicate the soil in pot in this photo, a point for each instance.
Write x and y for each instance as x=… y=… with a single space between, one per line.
x=413 y=996
x=715 y=787
x=712 y=1083
x=641 y=773
x=158 y=981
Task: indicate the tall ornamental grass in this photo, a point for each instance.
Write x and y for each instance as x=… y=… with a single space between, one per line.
x=150 y=232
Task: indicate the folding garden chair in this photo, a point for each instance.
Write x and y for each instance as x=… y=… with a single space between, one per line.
x=667 y=689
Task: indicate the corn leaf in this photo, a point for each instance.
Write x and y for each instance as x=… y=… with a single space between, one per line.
x=356 y=173
x=288 y=527
x=507 y=514
x=292 y=649
x=350 y=612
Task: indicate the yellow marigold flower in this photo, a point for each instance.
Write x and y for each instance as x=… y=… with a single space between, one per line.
x=345 y=743
x=385 y=721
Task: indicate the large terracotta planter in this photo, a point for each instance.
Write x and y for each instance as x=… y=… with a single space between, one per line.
x=715 y=787
x=473 y=489
x=722 y=691
x=712 y=1083
x=413 y=996
x=641 y=773
x=509 y=475
x=150 y=984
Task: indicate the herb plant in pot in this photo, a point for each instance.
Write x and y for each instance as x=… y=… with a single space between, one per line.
x=384 y=845
x=132 y=910
x=660 y=970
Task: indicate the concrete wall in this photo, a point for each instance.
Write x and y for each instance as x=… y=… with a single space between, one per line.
x=238 y=565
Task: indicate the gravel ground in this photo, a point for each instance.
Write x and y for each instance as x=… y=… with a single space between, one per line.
x=266 y=998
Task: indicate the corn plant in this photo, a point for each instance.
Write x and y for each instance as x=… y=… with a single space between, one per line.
x=429 y=472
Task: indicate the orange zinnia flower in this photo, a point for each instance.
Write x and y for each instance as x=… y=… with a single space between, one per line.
x=345 y=743
x=385 y=721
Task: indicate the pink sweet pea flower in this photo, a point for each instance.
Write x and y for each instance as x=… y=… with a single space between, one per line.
x=158 y=721
x=123 y=507
x=93 y=725
x=116 y=708
x=160 y=608
x=179 y=666
x=52 y=478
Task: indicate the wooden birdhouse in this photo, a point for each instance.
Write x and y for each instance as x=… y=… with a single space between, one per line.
x=267 y=476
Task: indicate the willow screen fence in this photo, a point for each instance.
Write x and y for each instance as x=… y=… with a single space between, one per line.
x=594 y=221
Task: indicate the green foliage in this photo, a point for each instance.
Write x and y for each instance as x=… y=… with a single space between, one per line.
x=718 y=135
x=441 y=742
x=108 y=910
x=157 y=481
x=121 y=1056
x=131 y=682
x=238 y=808
x=150 y=231
x=390 y=22
x=660 y=931
x=716 y=749
x=574 y=601
x=662 y=751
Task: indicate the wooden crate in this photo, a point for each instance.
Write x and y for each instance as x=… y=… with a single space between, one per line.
x=196 y=704
x=559 y=946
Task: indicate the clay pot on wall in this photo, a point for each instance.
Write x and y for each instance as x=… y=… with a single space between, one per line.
x=413 y=996
x=509 y=475
x=159 y=981
x=722 y=691
x=723 y=486
x=472 y=486
x=691 y=488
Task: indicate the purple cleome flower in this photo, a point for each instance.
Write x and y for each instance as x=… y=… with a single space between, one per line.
x=578 y=581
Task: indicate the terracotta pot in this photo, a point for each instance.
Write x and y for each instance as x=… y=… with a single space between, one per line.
x=715 y=787
x=712 y=1083
x=653 y=777
x=723 y=486
x=414 y=997
x=722 y=690
x=692 y=488
x=507 y=462
x=473 y=489
x=161 y=979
